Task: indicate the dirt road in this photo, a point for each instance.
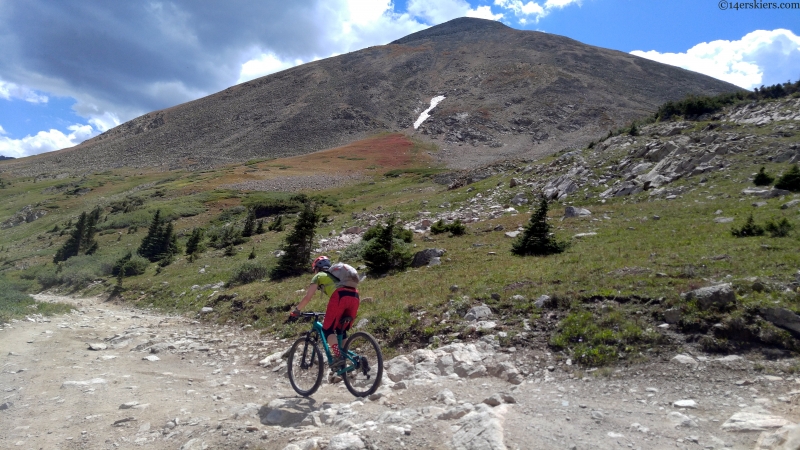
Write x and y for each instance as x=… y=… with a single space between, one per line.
x=175 y=383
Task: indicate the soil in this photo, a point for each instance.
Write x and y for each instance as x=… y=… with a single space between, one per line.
x=208 y=391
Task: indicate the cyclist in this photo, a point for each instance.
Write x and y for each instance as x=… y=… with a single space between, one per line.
x=343 y=302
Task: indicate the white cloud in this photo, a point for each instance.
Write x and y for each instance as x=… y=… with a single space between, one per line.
x=264 y=64
x=443 y=10
x=11 y=90
x=484 y=12
x=760 y=57
x=44 y=141
x=532 y=9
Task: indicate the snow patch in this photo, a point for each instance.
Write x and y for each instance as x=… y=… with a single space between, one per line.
x=434 y=101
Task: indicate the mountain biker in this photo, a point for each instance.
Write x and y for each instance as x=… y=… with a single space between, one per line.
x=343 y=302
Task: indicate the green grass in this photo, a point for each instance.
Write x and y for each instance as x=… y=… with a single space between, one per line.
x=16 y=304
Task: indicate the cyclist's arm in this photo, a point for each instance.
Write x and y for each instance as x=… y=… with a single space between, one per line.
x=312 y=289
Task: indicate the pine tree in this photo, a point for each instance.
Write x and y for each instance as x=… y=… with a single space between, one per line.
x=195 y=243
x=260 y=227
x=536 y=239
x=762 y=178
x=790 y=180
x=81 y=239
x=149 y=248
x=386 y=251
x=277 y=224
x=298 y=245
x=249 y=223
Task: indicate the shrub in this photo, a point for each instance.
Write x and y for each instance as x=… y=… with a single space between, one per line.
x=353 y=252
x=130 y=265
x=536 y=239
x=439 y=227
x=779 y=228
x=384 y=252
x=260 y=227
x=455 y=229
x=790 y=180
x=248 y=272
x=763 y=178
x=298 y=245
x=749 y=229
x=225 y=237
x=397 y=232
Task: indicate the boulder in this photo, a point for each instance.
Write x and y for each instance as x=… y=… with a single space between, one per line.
x=756 y=420
x=519 y=200
x=765 y=193
x=481 y=429
x=345 y=441
x=711 y=296
x=478 y=313
x=685 y=360
x=542 y=301
x=783 y=318
x=785 y=438
x=399 y=368
x=572 y=211
x=282 y=412
x=424 y=257
x=790 y=204
x=672 y=315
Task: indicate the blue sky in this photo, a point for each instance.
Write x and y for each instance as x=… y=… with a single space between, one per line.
x=72 y=69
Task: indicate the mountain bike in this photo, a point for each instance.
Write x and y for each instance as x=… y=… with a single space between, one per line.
x=363 y=368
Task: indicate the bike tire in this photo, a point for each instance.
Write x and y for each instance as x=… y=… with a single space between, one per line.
x=305 y=367
x=358 y=382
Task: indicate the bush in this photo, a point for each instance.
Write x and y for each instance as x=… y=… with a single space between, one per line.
x=225 y=237
x=790 y=180
x=455 y=229
x=749 y=229
x=130 y=265
x=384 y=252
x=195 y=243
x=76 y=272
x=536 y=239
x=439 y=227
x=353 y=252
x=763 y=178
x=779 y=228
x=248 y=272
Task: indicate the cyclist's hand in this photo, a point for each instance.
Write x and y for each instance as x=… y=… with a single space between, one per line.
x=294 y=315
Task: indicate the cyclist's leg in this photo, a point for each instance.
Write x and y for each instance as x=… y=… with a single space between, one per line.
x=333 y=313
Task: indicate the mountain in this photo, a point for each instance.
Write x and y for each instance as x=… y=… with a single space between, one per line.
x=508 y=93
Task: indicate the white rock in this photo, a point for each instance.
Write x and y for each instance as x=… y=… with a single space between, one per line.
x=271 y=359
x=97 y=346
x=681 y=420
x=481 y=429
x=445 y=396
x=686 y=360
x=753 y=421
x=194 y=444
x=685 y=404
x=151 y=358
x=398 y=368
x=345 y=441
x=84 y=383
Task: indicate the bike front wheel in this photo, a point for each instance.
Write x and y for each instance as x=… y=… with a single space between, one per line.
x=305 y=367
x=363 y=378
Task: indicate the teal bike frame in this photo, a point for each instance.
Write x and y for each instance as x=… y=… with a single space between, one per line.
x=317 y=332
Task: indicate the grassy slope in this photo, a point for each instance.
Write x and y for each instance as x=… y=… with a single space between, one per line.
x=624 y=277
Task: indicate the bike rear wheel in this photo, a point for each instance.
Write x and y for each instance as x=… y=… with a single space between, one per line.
x=305 y=367
x=365 y=378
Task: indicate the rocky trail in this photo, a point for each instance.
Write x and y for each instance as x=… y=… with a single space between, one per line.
x=111 y=377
